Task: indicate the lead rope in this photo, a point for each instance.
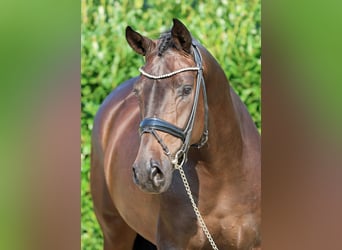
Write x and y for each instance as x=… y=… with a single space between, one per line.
x=197 y=212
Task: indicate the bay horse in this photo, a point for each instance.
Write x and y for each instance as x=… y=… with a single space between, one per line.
x=171 y=140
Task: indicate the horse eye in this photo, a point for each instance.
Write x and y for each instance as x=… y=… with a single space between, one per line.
x=187 y=90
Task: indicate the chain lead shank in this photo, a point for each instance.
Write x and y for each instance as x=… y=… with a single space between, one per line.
x=195 y=208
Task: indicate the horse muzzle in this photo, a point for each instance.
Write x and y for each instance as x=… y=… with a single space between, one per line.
x=151 y=176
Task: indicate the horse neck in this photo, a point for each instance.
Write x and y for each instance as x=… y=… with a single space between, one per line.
x=225 y=142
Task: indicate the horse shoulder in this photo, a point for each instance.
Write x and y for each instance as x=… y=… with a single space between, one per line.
x=101 y=137
x=106 y=115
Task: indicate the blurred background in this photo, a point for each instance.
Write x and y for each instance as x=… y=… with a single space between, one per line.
x=230 y=30
x=40 y=111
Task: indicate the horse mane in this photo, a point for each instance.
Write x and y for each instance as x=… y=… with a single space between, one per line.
x=165 y=42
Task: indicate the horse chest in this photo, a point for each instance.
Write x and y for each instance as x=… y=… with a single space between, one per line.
x=230 y=232
x=241 y=232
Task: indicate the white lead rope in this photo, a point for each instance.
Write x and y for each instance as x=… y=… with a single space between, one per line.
x=197 y=212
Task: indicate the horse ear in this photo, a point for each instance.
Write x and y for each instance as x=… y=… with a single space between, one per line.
x=138 y=43
x=181 y=36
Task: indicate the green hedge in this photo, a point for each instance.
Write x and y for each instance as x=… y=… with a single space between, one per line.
x=230 y=30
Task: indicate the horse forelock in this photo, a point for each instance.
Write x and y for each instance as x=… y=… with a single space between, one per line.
x=165 y=43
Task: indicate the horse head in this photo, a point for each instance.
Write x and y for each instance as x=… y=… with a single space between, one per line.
x=168 y=91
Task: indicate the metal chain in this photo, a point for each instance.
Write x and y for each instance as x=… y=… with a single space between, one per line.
x=197 y=212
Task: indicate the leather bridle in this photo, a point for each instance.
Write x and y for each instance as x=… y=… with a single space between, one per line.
x=151 y=124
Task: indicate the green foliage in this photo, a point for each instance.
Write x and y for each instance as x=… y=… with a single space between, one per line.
x=230 y=30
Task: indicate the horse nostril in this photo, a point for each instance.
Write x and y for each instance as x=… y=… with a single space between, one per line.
x=154 y=164
x=155 y=171
x=156 y=174
x=135 y=176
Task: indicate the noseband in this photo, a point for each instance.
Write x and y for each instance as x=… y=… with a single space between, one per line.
x=150 y=125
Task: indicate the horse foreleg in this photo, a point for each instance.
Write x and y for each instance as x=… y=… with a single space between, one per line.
x=116 y=233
